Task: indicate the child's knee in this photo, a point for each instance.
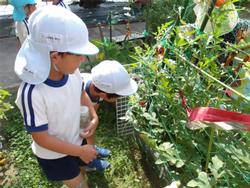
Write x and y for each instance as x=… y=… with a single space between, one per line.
x=76 y=182
x=82 y=184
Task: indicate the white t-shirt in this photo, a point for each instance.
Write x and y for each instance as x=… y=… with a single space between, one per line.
x=22 y=30
x=87 y=79
x=53 y=106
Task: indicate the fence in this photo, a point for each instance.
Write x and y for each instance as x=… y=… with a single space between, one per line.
x=122 y=106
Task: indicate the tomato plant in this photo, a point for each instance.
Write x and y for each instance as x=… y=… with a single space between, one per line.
x=219 y=3
x=181 y=150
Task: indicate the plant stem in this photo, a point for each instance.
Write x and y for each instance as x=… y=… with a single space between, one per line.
x=102 y=38
x=213 y=78
x=209 y=12
x=110 y=25
x=211 y=140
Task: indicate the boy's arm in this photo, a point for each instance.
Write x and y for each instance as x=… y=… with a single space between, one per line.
x=18 y=43
x=96 y=107
x=86 y=152
x=85 y=100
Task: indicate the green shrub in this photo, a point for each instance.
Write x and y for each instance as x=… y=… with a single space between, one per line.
x=159 y=12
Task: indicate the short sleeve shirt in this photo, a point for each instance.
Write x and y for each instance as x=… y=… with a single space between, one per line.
x=52 y=106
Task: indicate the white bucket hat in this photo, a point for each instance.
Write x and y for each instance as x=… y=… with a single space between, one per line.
x=111 y=77
x=228 y=17
x=52 y=28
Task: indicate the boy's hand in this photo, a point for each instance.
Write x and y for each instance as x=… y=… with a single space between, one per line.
x=88 y=153
x=90 y=130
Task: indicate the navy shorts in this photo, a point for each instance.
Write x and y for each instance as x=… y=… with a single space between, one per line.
x=64 y=168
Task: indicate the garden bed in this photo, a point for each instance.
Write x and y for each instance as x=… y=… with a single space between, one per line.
x=155 y=173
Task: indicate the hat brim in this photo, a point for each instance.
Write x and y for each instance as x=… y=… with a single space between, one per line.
x=129 y=90
x=87 y=49
x=32 y=64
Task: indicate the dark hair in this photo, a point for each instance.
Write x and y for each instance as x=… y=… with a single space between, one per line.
x=59 y=53
x=29 y=5
x=64 y=53
x=109 y=95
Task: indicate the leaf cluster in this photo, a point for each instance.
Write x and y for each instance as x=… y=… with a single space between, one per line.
x=188 y=54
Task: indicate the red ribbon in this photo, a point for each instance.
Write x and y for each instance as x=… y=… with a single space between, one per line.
x=210 y=114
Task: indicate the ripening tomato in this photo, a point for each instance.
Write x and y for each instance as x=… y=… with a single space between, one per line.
x=219 y=3
x=142 y=103
x=160 y=52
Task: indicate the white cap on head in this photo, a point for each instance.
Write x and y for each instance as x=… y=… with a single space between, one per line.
x=52 y=28
x=111 y=77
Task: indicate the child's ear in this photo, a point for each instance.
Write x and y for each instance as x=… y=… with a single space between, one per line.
x=103 y=95
x=54 y=57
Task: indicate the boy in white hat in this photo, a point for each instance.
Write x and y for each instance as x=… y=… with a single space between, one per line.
x=22 y=10
x=51 y=93
x=108 y=81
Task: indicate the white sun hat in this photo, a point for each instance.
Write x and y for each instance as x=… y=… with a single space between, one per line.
x=52 y=28
x=226 y=17
x=111 y=77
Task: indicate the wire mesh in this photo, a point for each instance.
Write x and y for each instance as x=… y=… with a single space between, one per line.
x=122 y=106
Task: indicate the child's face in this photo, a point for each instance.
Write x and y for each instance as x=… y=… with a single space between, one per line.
x=29 y=9
x=110 y=100
x=67 y=63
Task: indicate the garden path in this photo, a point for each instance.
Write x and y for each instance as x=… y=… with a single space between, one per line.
x=8 y=51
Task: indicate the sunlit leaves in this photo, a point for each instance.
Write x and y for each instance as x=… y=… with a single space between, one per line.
x=169 y=154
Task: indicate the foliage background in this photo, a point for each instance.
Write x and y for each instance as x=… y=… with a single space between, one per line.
x=195 y=158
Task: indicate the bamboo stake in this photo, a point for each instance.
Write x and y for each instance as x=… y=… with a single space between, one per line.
x=213 y=78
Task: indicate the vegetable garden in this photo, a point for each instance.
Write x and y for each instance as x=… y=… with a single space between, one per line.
x=187 y=62
x=181 y=68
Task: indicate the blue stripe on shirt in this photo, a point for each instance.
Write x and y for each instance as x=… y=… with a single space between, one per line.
x=26 y=25
x=37 y=129
x=30 y=127
x=32 y=117
x=23 y=104
x=62 y=4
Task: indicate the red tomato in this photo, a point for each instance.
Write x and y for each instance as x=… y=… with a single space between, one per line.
x=142 y=103
x=219 y=3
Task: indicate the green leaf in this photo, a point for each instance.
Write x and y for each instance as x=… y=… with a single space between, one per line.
x=193 y=183
x=114 y=20
x=216 y=166
x=169 y=154
x=239 y=154
x=202 y=181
